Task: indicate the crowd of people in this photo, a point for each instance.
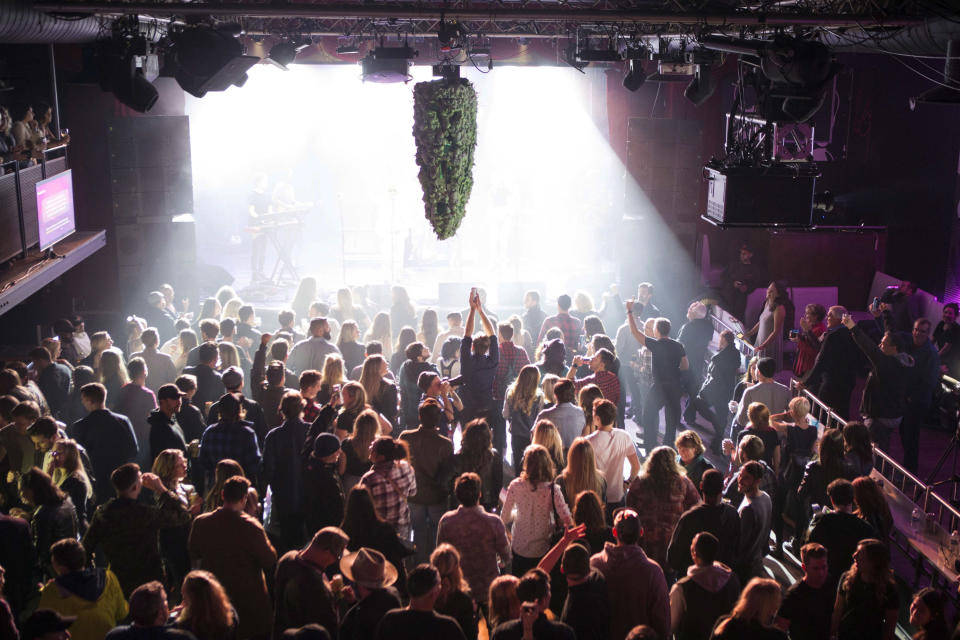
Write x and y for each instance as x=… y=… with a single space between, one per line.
x=214 y=479
x=25 y=134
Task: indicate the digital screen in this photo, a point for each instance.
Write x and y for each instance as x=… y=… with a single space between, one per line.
x=55 y=209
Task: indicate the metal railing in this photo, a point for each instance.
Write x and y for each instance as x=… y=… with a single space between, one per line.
x=924 y=497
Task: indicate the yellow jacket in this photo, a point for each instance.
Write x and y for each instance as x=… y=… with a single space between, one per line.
x=94 y=617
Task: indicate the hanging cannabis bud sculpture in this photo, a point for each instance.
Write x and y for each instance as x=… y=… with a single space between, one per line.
x=445 y=130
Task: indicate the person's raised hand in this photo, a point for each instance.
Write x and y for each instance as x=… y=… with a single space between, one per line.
x=629 y=304
x=727 y=447
x=804 y=324
x=848 y=321
x=574 y=533
x=152 y=481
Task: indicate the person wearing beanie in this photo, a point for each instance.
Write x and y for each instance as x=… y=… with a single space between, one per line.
x=46 y=624
x=323 y=499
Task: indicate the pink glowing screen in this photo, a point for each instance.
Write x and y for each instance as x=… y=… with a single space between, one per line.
x=55 y=208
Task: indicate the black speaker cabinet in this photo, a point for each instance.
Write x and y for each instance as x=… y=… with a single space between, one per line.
x=777 y=196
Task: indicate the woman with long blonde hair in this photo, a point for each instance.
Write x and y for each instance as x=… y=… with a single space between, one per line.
x=339 y=414
x=355 y=460
x=381 y=392
x=581 y=473
x=229 y=356
x=231 y=309
x=662 y=492
x=331 y=377
x=454 y=600
x=171 y=467
x=66 y=470
x=752 y=616
x=546 y=434
x=547 y=383
x=113 y=375
x=522 y=403
x=206 y=611
x=532 y=504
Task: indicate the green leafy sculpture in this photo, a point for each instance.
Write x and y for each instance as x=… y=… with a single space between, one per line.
x=445 y=130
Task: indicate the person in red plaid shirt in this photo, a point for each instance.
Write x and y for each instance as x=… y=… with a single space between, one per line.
x=600 y=364
x=309 y=386
x=570 y=326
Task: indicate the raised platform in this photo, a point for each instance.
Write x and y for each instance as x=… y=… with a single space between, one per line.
x=26 y=277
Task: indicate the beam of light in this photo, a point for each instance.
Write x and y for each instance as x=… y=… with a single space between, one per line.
x=548 y=197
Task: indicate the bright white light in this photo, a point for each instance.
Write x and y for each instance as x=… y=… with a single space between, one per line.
x=545 y=177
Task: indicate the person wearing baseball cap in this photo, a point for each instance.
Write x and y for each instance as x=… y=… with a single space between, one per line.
x=165 y=431
x=372 y=577
x=46 y=624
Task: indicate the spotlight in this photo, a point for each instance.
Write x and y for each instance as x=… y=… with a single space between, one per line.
x=284 y=53
x=635 y=77
x=209 y=59
x=388 y=64
x=702 y=86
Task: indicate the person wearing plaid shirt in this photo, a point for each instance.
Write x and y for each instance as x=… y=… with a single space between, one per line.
x=230 y=438
x=571 y=327
x=391 y=481
x=602 y=377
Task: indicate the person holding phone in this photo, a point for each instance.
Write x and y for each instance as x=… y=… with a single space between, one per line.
x=807 y=337
x=534 y=594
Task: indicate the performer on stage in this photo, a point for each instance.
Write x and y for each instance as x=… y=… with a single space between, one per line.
x=258 y=205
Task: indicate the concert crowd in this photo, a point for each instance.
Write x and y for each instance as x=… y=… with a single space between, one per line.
x=355 y=471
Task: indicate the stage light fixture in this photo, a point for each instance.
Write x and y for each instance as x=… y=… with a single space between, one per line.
x=635 y=76
x=209 y=59
x=450 y=35
x=285 y=52
x=388 y=64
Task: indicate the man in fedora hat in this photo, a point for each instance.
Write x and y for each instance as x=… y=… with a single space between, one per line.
x=302 y=590
x=372 y=576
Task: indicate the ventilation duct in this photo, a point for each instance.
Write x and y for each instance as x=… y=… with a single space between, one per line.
x=20 y=23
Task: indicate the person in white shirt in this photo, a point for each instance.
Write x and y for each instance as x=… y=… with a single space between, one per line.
x=611 y=447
